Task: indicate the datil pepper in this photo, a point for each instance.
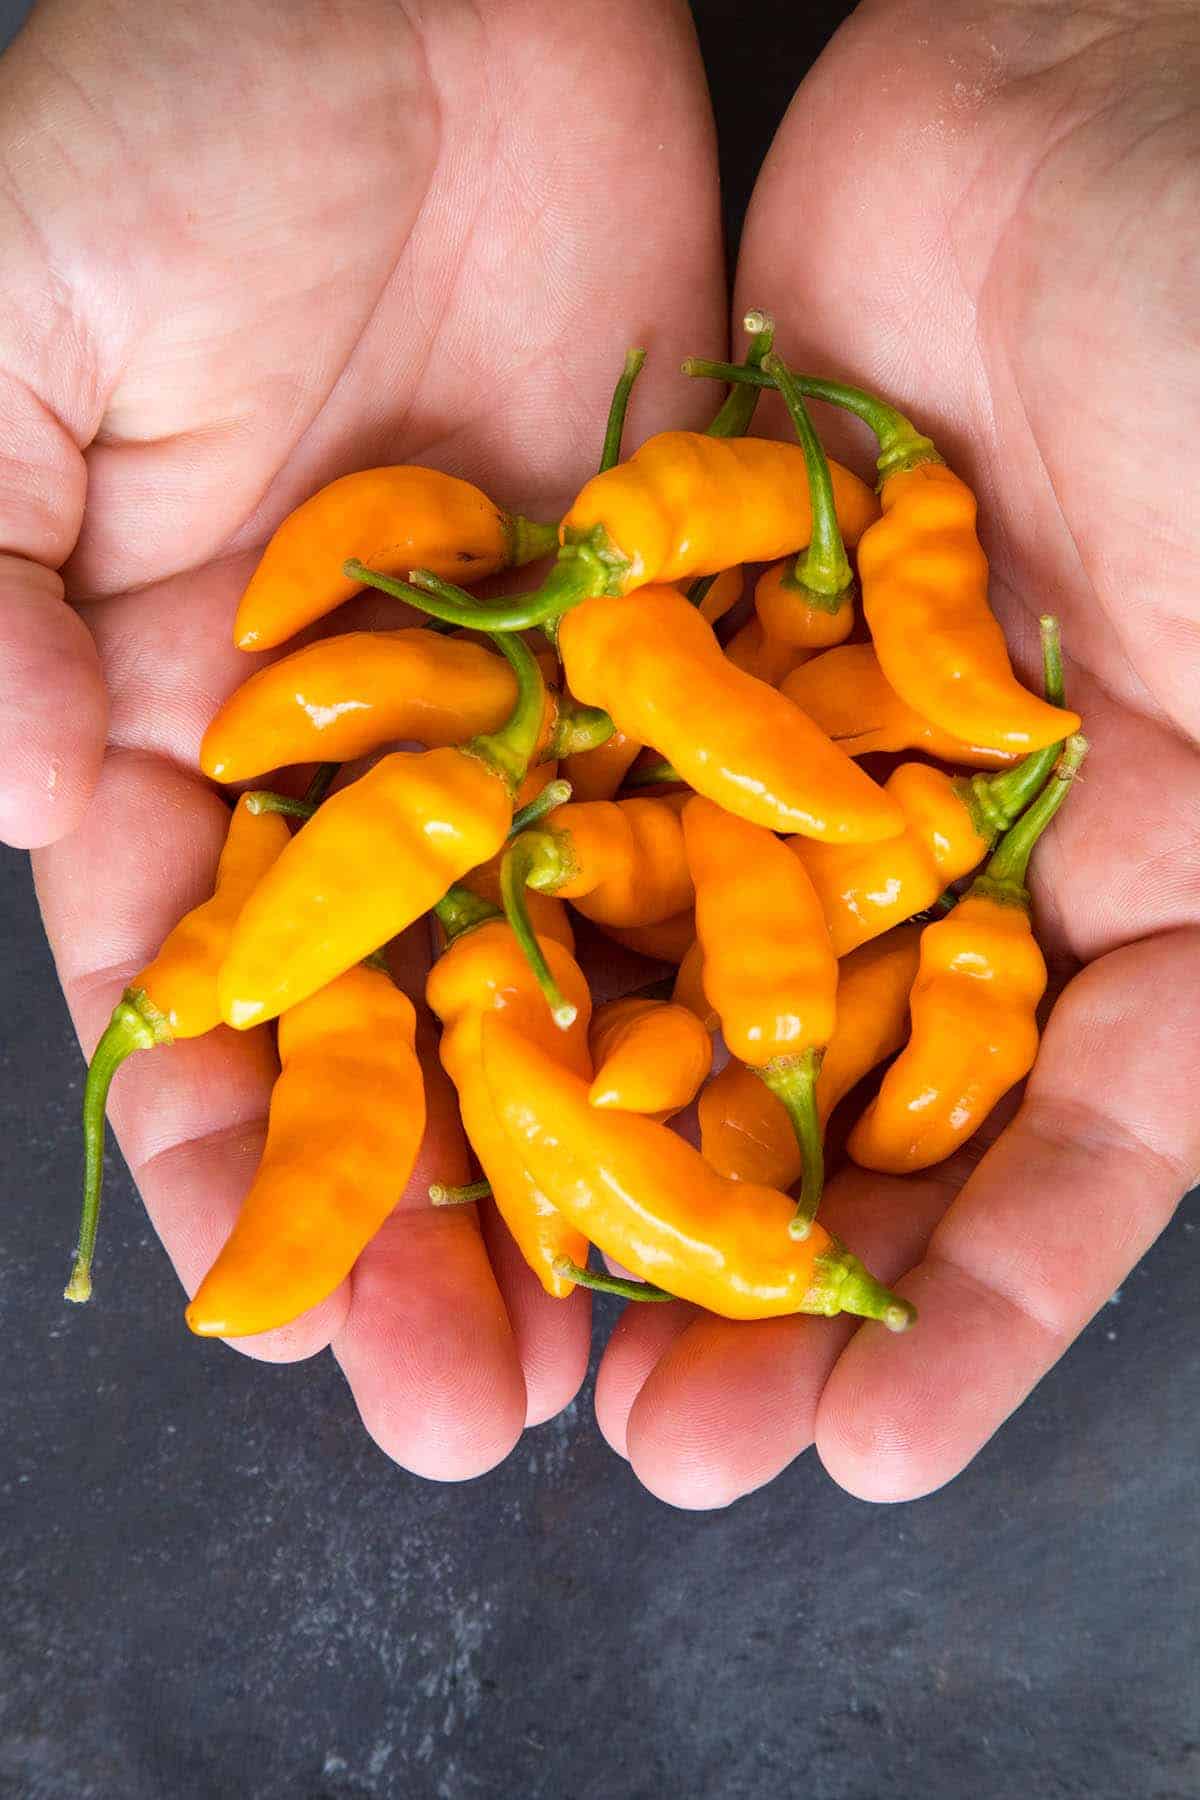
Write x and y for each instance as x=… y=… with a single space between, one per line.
x=644 y=1197
x=973 y=1007
x=391 y=518
x=668 y=940
x=769 y=968
x=648 y=1055
x=175 y=996
x=346 y=1121
x=376 y=856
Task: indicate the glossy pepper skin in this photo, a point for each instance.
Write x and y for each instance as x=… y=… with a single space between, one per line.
x=925 y=597
x=346 y=1122
x=646 y=1198
x=745 y=1132
x=789 y=616
x=648 y=1055
x=175 y=996
x=973 y=1008
x=597 y=774
x=620 y=862
x=484 y=971
x=689 y=986
x=848 y=695
x=769 y=966
x=656 y=668
x=390 y=517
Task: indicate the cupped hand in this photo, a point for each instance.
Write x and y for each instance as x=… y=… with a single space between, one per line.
x=249 y=248
x=986 y=214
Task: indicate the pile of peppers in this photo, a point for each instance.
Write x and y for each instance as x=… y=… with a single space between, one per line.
x=810 y=796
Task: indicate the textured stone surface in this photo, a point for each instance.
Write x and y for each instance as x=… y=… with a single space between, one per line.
x=215 y=1586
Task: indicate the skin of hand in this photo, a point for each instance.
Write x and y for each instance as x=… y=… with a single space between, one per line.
x=988 y=211
x=331 y=236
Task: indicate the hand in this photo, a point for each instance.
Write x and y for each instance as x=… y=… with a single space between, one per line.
x=987 y=216
x=252 y=247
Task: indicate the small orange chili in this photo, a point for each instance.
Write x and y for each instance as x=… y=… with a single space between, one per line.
x=745 y=1132
x=974 y=1007
x=376 y=856
x=393 y=518
x=669 y=940
x=483 y=971
x=646 y=1198
x=175 y=996
x=769 y=968
x=848 y=695
x=648 y=1055
x=346 y=1122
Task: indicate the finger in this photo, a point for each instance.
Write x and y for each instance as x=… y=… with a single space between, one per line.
x=1062 y=1206
x=729 y=1404
x=553 y=1337
x=641 y=1336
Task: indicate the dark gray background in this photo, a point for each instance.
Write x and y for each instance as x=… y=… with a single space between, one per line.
x=215 y=1586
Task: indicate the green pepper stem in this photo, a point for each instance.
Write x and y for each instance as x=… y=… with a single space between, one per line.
x=135 y=1025
x=822 y=568
x=460 y=909
x=569 y=581
x=793 y=1079
x=1003 y=877
x=737 y=409
x=441 y=1195
x=264 y=800
x=510 y=750
x=534 y=857
x=901 y=445
x=529 y=539
x=608 y=1284
x=555 y=793
x=844 y=1285
x=996 y=800
x=697 y=593
x=615 y=429
x=577 y=727
x=323 y=779
x=652 y=775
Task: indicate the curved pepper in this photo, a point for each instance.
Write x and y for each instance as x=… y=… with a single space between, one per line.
x=689 y=987
x=769 y=967
x=669 y=940
x=646 y=1198
x=391 y=517
x=657 y=669
x=649 y=1056
x=973 y=1006
x=375 y=857
x=346 y=1122
x=848 y=695
x=345 y=697
x=175 y=996
x=485 y=971
x=745 y=1132
x=766 y=658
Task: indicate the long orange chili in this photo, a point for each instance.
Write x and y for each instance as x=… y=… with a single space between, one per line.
x=848 y=695
x=376 y=856
x=745 y=1132
x=645 y=1197
x=769 y=968
x=974 y=1007
x=392 y=518
x=346 y=1121
x=648 y=1055
x=483 y=971
x=175 y=996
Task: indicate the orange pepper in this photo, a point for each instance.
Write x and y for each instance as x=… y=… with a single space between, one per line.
x=548 y=917
x=745 y=1132
x=974 y=1008
x=769 y=967
x=175 y=996
x=484 y=971
x=597 y=774
x=689 y=987
x=667 y=941
x=848 y=695
x=375 y=857
x=646 y=1198
x=346 y=1122
x=392 y=517
x=766 y=658
x=787 y=617
x=722 y=596
x=649 y=1056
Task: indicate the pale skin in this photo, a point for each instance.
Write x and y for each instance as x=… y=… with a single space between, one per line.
x=294 y=223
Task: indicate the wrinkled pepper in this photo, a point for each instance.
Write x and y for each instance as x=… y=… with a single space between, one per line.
x=769 y=968
x=648 y=1055
x=175 y=996
x=646 y=1198
x=376 y=856
x=346 y=1121
x=973 y=1006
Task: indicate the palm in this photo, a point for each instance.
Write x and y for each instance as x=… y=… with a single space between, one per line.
x=382 y=242
x=982 y=220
